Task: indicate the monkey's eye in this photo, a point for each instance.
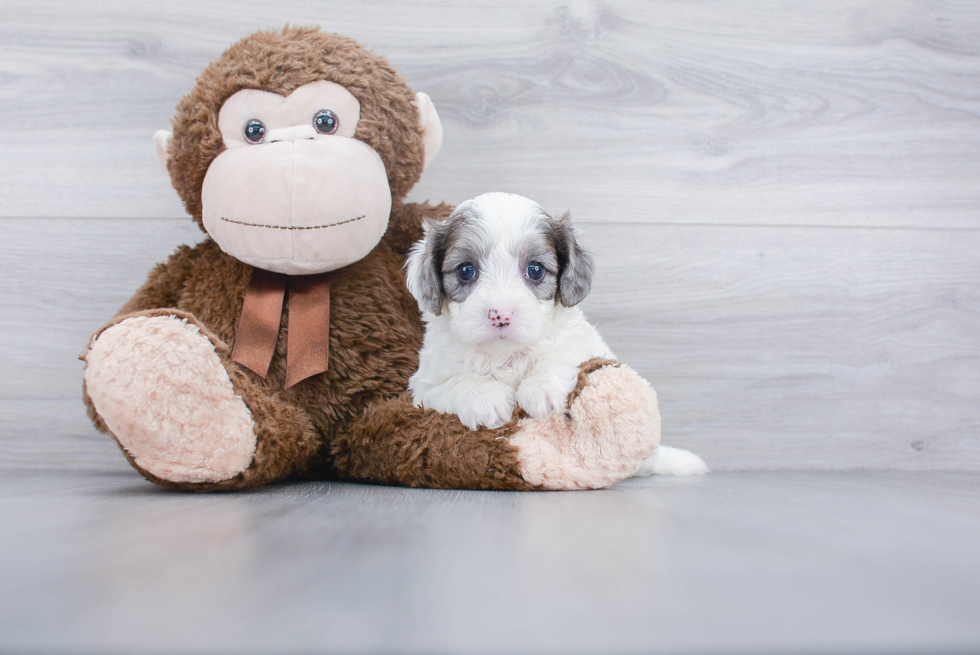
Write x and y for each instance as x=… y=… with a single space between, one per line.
x=325 y=122
x=255 y=131
x=534 y=270
x=466 y=271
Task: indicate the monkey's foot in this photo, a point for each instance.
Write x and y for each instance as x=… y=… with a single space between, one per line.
x=611 y=426
x=162 y=390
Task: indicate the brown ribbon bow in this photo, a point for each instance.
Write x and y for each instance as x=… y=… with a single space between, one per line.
x=308 y=327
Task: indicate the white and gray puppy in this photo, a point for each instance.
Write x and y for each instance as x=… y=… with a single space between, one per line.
x=498 y=283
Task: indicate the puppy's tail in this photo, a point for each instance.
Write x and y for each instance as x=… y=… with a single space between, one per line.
x=672 y=461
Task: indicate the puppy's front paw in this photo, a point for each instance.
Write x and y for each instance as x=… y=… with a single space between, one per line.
x=542 y=394
x=489 y=405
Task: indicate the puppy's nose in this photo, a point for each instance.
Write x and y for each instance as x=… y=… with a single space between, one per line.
x=499 y=318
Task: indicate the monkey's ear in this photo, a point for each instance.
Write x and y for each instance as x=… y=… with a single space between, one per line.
x=431 y=126
x=161 y=139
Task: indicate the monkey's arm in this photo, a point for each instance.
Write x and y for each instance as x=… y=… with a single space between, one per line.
x=405 y=225
x=163 y=285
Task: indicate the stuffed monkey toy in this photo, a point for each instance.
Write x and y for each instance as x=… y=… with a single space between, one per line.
x=280 y=346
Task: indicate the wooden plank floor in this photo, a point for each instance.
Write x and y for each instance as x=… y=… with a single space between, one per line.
x=725 y=563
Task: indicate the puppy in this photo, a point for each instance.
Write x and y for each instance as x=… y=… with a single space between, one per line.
x=498 y=283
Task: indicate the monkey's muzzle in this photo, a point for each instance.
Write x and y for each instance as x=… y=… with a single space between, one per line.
x=298 y=207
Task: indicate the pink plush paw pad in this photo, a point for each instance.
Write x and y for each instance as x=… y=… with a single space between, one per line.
x=614 y=426
x=159 y=385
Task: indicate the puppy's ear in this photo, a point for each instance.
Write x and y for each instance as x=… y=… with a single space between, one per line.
x=423 y=270
x=575 y=266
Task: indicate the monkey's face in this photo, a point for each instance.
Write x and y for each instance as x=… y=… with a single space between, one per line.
x=292 y=146
x=294 y=192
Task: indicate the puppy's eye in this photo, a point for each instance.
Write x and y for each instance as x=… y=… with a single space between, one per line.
x=534 y=270
x=255 y=131
x=325 y=122
x=466 y=271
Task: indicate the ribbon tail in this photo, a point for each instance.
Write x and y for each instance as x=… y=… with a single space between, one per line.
x=258 y=328
x=308 y=351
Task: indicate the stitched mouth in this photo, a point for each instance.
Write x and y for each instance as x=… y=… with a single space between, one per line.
x=293 y=227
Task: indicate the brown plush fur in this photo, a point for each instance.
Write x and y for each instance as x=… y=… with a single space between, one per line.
x=281 y=61
x=351 y=421
x=398 y=443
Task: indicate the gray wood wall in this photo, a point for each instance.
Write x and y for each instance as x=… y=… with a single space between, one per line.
x=784 y=198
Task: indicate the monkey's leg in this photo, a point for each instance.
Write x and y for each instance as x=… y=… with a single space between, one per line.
x=611 y=426
x=394 y=442
x=184 y=414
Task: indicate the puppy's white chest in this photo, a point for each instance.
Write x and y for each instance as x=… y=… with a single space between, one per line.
x=506 y=368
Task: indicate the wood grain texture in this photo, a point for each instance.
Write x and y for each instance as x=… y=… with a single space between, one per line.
x=770 y=347
x=790 y=112
x=767 y=563
x=783 y=198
